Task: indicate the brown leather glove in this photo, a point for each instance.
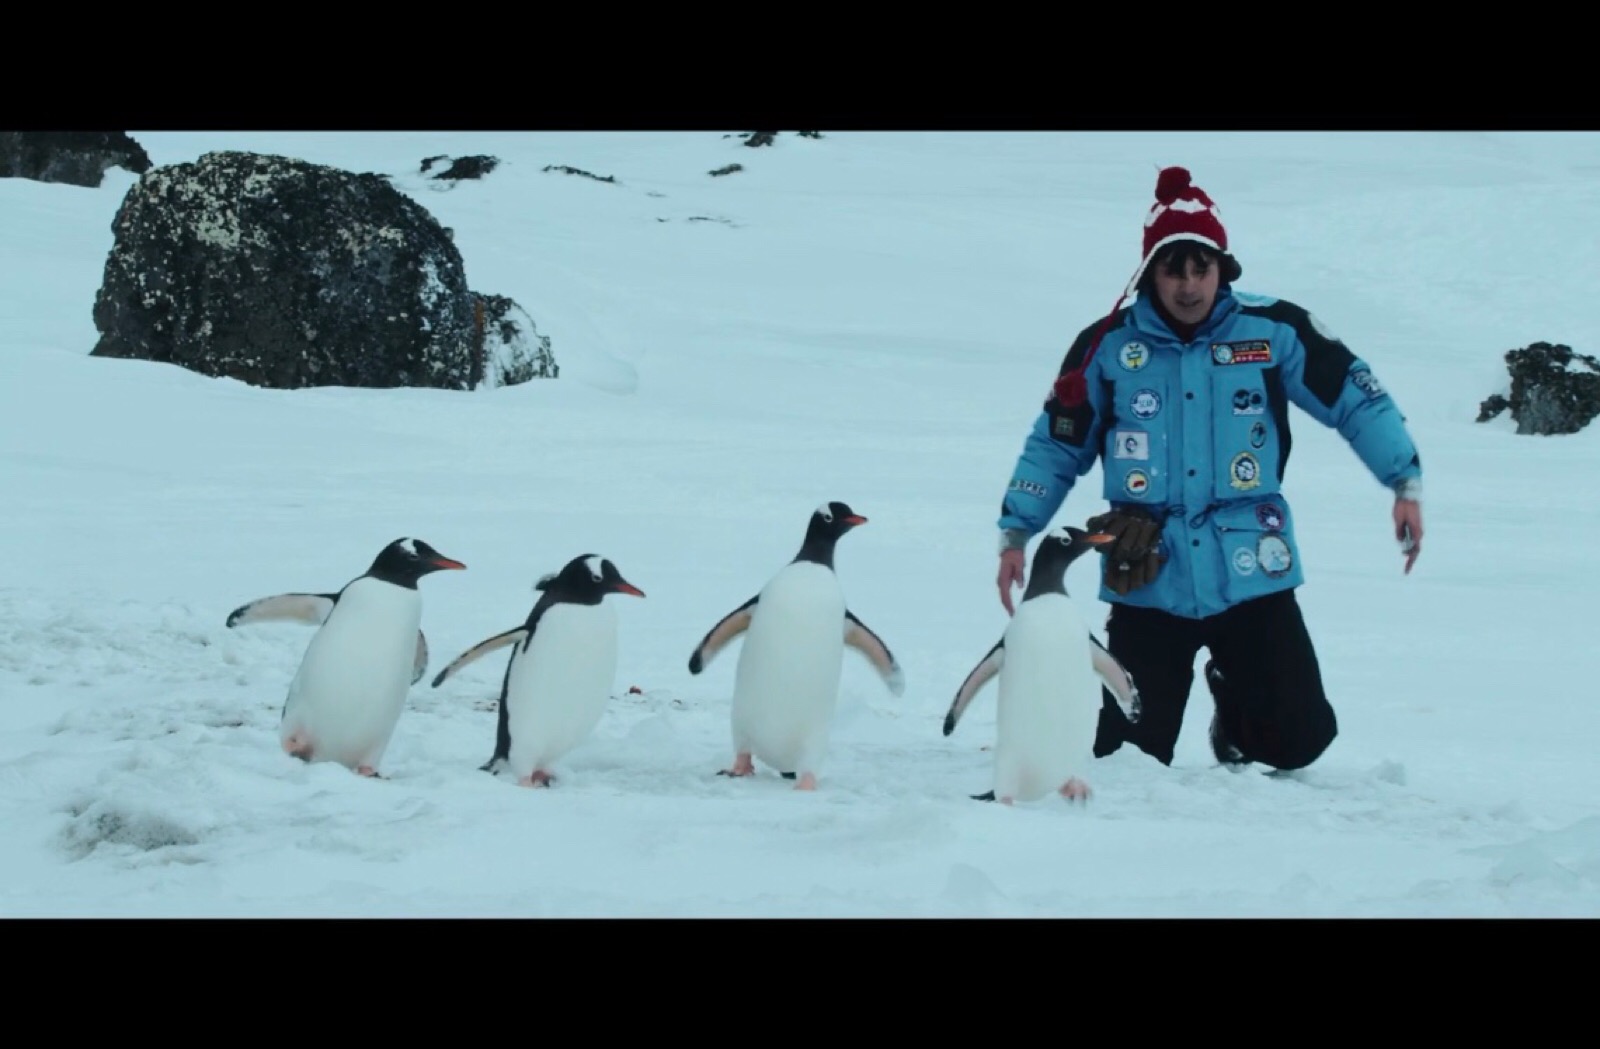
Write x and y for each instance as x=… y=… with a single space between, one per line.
x=1133 y=560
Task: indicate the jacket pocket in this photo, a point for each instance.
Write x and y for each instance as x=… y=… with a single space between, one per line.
x=1255 y=543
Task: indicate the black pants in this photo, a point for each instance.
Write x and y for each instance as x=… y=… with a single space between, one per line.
x=1270 y=701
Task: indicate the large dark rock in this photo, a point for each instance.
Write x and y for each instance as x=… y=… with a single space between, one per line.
x=1553 y=390
x=78 y=158
x=282 y=273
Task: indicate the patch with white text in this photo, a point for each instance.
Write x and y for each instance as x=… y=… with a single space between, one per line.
x=1033 y=488
x=1255 y=351
x=1145 y=404
x=1249 y=402
x=1367 y=383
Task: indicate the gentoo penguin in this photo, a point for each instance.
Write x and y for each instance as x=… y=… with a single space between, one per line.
x=346 y=698
x=1050 y=667
x=559 y=676
x=787 y=682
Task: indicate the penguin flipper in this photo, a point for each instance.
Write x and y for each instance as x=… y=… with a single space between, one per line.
x=298 y=608
x=1117 y=679
x=482 y=648
x=987 y=668
x=858 y=636
x=731 y=626
x=419 y=662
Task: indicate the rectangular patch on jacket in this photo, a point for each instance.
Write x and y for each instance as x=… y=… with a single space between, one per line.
x=1255 y=351
x=1131 y=444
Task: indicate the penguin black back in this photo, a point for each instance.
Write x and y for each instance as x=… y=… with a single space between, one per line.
x=828 y=522
x=1056 y=552
x=405 y=561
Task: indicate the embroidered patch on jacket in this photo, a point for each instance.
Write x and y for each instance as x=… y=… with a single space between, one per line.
x=1137 y=483
x=1063 y=426
x=1131 y=444
x=1249 y=402
x=1244 y=473
x=1244 y=562
x=1367 y=382
x=1258 y=434
x=1272 y=554
x=1270 y=517
x=1028 y=488
x=1255 y=351
x=1133 y=356
x=1145 y=404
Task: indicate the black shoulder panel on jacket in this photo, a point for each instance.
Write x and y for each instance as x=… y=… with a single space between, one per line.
x=1327 y=360
x=1080 y=345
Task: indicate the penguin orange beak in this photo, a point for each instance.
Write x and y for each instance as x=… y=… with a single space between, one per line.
x=1099 y=538
x=628 y=588
x=445 y=562
x=855 y=519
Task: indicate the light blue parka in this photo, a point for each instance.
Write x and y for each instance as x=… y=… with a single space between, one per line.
x=1198 y=433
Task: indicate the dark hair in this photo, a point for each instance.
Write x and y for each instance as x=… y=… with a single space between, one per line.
x=1177 y=256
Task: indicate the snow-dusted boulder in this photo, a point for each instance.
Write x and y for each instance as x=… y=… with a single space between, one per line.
x=1553 y=390
x=282 y=273
x=513 y=349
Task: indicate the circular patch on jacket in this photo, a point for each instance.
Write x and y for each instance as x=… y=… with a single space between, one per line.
x=1258 y=434
x=1272 y=554
x=1136 y=483
x=1270 y=517
x=1244 y=473
x=1222 y=353
x=1146 y=404
x=1244 y=562
x=1133 y=356
x=1249 y=402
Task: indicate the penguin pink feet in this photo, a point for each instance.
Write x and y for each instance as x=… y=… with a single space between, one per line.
x=808 y=781
x=537 y=778
x=742 y=766
x=297 y=746
x=368 y=771
x=1076 y=789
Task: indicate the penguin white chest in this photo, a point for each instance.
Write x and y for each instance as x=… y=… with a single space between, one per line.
x=786 y=687
x=559 y=686
x=1049 y=700
x=352 y=683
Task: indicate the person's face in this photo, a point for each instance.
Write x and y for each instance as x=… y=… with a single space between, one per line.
x=1188 y=292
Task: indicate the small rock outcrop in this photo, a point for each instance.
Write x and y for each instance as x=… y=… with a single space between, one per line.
x=1553 y=390
x=77 y=158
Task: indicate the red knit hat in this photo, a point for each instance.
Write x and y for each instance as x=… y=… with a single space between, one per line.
x=1182 y=211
